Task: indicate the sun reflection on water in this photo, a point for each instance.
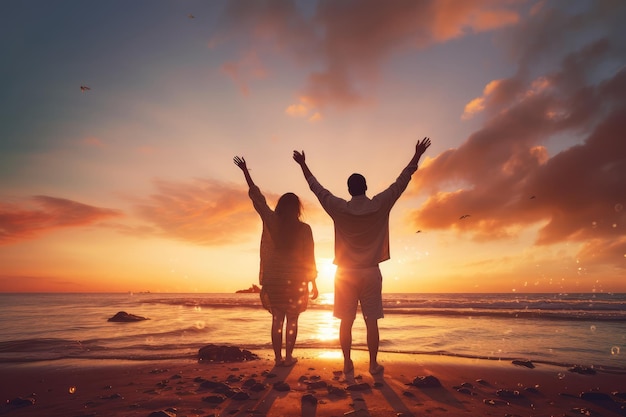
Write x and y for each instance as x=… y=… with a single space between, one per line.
x=330 y=354
x=326 y=328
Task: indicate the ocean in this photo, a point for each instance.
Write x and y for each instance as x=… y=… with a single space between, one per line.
x=561 y=329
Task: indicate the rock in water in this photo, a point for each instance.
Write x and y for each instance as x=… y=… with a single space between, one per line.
x=124 y=317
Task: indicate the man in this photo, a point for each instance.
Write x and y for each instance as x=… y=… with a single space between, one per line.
x=361 y=243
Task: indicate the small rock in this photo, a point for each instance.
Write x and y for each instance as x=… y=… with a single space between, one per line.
x=337 y=392
x=214 y=353
x=507 y=393
x=466 y=391
x=620 y=395
x=595 y=396
x=527 y=364
x=358 y=387
x=241 y=396
x=282 y=386
x=214 y=399
x=428 y=381
x=21 y=402
x=534 y=390
x=258 y=387
x=495 y=402
x=317 y=385
x=582 y=370
x=249 y=383
x=310 y=399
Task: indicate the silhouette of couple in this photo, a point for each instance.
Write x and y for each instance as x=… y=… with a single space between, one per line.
x=361 y=243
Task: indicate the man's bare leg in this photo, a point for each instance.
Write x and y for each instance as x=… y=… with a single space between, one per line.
x=345 y=339
x=373 y=341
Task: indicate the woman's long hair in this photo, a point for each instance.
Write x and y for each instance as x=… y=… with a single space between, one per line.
x=288 y=211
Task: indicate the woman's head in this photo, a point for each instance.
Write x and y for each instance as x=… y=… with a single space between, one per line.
x=288 y=207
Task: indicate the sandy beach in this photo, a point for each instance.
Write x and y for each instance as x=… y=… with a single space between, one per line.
x=315 y=386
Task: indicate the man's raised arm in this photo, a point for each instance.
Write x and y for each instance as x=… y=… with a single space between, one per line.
x=420 y=148
x=300 y=158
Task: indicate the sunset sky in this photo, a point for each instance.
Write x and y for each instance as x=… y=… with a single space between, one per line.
x=130 y=185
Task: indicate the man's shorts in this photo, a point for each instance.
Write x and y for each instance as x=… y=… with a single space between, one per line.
x=362 y=285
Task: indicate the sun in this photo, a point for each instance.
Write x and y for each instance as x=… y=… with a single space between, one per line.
x=325 y=274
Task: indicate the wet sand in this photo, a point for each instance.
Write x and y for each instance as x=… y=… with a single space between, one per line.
x=411 y=385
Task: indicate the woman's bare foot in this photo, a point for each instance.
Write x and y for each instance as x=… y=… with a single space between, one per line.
x=290 y=361
x=348 y=366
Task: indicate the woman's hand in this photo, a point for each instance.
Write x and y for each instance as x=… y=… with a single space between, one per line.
x=314 y=292
x=299 y=157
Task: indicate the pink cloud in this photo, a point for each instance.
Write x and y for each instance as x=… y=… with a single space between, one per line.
x=93 y=142
x=348 y=41
x=45 y=214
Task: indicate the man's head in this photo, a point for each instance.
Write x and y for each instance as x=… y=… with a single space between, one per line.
x=357 y=185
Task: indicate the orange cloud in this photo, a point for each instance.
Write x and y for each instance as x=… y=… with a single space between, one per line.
x=27 y=221
x=304 y=109
x=504 y=177
x=203 y=212
x=453 y=19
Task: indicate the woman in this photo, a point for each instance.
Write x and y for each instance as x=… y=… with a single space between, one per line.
x=287 y=265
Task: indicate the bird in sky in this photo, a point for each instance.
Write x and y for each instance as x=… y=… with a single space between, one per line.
x=465 y=216
x=84 y=88
x=191 y=16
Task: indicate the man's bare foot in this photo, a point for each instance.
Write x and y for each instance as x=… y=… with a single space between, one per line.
x=348 y=366
x=377 y=369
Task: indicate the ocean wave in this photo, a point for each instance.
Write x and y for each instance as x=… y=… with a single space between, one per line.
x=44 y=350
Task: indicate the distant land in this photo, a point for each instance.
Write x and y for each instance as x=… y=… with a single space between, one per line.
x=255 y=289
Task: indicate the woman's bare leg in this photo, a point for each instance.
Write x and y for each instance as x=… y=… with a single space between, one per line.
x=290 y=337
x=278 y=318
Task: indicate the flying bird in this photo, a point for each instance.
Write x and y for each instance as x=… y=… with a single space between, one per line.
x=191 y=16
x=84 y=88
x=419 y=231
x=465 y=216
x=532 y=197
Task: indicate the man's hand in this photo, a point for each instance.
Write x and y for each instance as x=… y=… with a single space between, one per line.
x=241 y=163
x=422 y=145
x=299 y=157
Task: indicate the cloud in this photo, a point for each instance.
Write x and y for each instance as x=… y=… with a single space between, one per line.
x=248 y=67
x=341 y=44
x=304 y=109
x=549 y=154
x=45 y=214
x=93 y=141
x=200 y=211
